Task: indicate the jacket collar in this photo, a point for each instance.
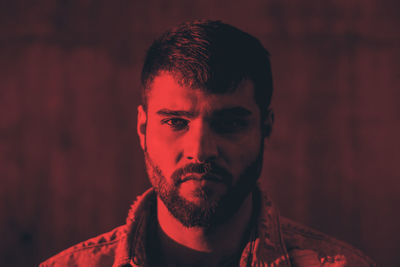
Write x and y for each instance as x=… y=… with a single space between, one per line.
x=265 y=247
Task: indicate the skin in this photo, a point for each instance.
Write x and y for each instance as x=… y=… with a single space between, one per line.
x=181 y=126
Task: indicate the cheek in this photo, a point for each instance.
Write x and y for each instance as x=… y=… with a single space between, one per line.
x=160 y=149
x=243 y=152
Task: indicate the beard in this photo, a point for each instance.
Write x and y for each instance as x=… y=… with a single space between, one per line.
x=210 y=212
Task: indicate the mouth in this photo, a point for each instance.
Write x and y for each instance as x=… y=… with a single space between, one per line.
x=202 y=177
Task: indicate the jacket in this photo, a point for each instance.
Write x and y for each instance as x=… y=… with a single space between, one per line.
x=276 y=241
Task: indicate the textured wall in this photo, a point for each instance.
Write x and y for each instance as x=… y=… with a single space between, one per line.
x=70 y=162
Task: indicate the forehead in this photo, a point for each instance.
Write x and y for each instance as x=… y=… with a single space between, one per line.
x=166 y=92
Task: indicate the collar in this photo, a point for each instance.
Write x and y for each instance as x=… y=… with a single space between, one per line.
x=265 y=247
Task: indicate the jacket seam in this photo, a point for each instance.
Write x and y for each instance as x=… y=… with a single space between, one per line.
x=65 y=253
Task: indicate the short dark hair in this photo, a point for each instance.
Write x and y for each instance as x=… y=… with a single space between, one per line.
x=212 y=56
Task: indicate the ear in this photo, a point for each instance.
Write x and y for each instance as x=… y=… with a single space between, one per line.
x=141 y=125
x=268 y=123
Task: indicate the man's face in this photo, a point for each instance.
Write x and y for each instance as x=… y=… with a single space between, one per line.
x=203 y=151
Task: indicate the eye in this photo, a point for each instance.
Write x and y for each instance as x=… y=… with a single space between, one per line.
x=226 y=126
x=176 y=124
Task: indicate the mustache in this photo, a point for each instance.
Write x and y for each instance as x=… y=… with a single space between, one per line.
x=208 y=170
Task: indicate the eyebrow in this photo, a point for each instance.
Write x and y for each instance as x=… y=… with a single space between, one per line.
x=177 y=113
x=231 y=112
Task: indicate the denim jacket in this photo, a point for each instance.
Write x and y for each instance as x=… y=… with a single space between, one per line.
x=275 y=241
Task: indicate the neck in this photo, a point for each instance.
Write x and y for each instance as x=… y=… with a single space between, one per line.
x=181 y=245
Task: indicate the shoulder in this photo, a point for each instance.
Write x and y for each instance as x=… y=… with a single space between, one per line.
x=305 y=244
x=97 y=251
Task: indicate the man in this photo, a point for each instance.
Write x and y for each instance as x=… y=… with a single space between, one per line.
x=205 y=116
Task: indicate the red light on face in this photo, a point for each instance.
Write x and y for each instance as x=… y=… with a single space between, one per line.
x=198 y=144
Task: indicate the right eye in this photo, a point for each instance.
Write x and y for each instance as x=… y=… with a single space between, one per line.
x=177 y=124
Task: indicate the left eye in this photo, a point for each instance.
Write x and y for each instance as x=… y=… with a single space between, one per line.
x=176 y=123
x=229 y=126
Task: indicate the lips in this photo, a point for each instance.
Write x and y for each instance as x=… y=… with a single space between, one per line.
x=202 y=172
x=202 y=177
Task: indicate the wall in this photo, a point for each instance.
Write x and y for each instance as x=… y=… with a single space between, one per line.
x=70 y=161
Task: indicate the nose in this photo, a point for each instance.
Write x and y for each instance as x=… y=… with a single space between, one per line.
x=201 y=145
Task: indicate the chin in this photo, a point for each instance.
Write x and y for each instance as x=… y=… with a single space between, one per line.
x=201 y=195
